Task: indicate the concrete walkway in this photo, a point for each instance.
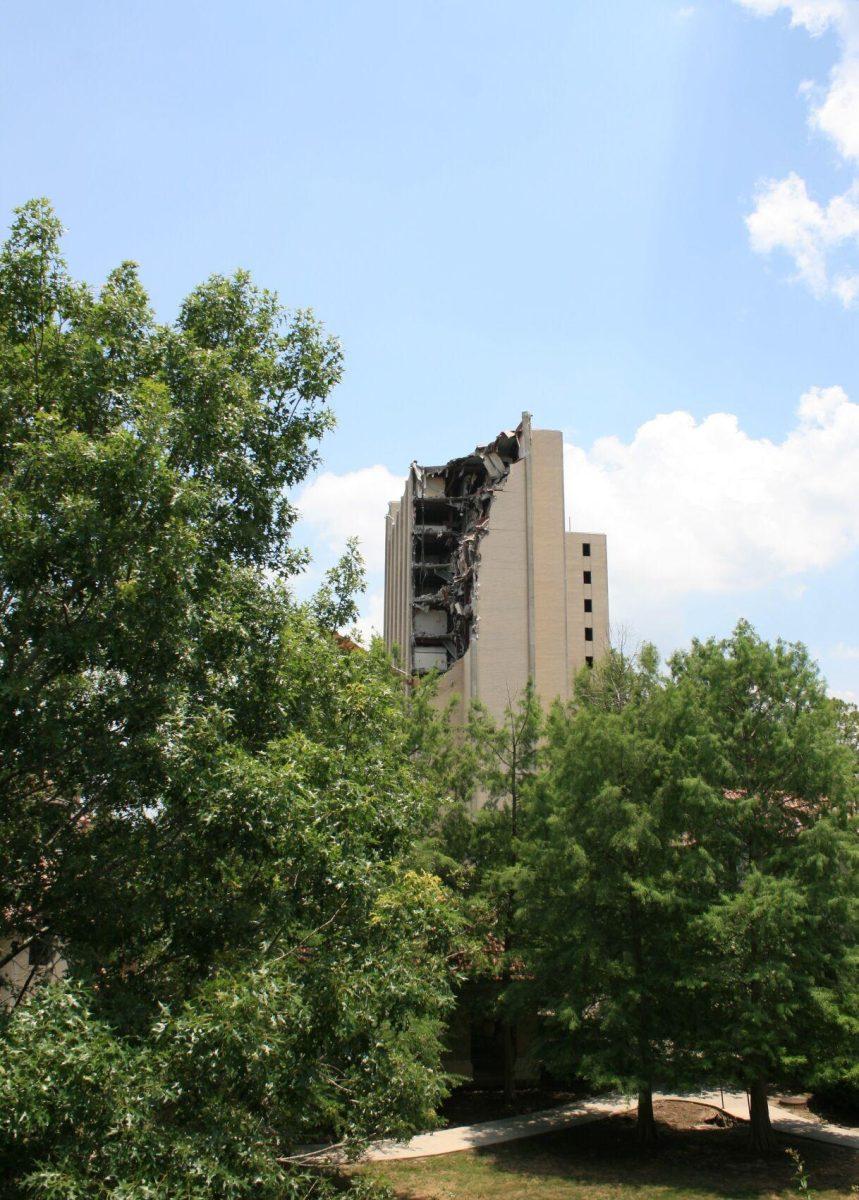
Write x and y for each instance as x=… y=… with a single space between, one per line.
x=736 y=1105
x=489 y=1133
x=508 y=1129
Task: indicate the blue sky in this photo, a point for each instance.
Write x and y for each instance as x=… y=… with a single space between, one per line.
x=605 y=213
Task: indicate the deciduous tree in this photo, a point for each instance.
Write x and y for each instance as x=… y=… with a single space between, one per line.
x=780 y=934
x=507 y=758
x=610 y=884
x=209 y=807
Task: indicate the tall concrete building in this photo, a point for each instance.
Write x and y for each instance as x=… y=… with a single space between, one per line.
x=483 y=582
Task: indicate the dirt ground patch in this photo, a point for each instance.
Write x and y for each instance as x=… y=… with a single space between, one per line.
x=701 y=1156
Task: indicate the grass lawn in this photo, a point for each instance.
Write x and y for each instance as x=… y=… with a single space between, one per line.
x=696 y=1160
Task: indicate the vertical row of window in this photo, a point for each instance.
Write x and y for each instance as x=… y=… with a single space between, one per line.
x=589 y=604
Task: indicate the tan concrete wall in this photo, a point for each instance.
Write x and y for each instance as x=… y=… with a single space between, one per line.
x=530 y=593
x=500 y=660
x=390 y=582
x=456 y=682
x=578 y=591
x=404 y=552
x=398 y=576
x=599 y=577
x=546 y=465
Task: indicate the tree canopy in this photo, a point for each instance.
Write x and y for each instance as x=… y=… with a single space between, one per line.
x=779 y=935
x=689 y=902
x=609 y=887
x=252 y=845
x=209 y=807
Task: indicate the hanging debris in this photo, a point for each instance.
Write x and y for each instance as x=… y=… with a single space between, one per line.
x=449 y=519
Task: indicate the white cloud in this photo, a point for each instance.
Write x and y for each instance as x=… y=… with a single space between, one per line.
x=690 y=507
x=814 y=15
x=785 y=217
x=835 y=107
x=845 y=651
x=703 y=507
x=337 y=507
x=846 y=288
x=371 y=621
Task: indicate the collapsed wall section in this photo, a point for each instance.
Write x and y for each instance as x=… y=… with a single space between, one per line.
x=450 y=516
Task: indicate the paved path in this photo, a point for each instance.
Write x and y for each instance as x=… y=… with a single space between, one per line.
x=470 y=1137
x=489 y=1133
x=785 y=1121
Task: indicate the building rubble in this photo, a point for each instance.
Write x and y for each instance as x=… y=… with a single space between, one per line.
x=450 y=517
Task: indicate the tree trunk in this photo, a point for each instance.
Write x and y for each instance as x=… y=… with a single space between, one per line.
x=509 y=1031
x=759 y=1117
x=646 y=1126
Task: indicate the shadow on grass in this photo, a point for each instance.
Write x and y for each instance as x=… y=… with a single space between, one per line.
x=711 y=1159
x=473 y=1105
x=839 y=1112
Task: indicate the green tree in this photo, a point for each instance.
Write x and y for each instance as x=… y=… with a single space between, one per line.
x=779 y=939
x=611 y=884
x=335 y=604
x=209 y=807
x=847 y=722
x=449 y=763
x=507 y=760
x=479 y=771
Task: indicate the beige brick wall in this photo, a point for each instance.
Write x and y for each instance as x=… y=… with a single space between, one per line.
x=500 y=658
x=456 y=682
x=546 y=536
x=578 y=648
x=398 y=576
x=530 y=593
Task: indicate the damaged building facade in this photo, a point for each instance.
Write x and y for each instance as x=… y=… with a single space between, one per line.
x=482 y=581
x=484 y=584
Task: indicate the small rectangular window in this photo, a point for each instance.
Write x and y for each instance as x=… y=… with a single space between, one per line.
x=586 y=576
x=589 y=605
x=586 y=549
x=589 y=660
x=589 y=634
